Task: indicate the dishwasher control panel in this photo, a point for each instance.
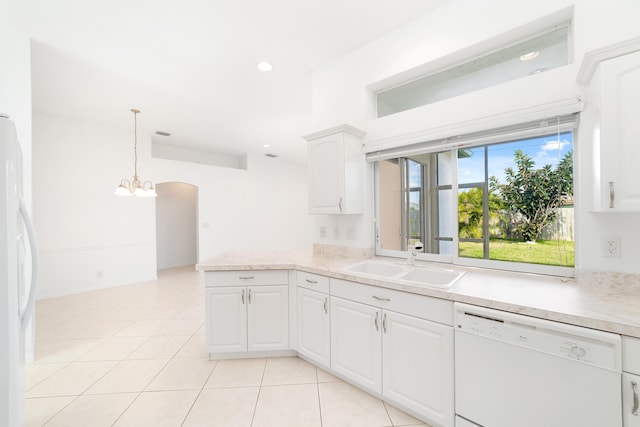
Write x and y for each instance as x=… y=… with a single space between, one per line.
x=574 y=342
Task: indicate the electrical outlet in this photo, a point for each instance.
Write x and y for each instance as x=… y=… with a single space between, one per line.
x=323 y=232
x=611 y=247
x=336 y=233
x=351 y=234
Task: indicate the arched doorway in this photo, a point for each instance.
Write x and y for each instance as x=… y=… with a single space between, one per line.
x=176 y=225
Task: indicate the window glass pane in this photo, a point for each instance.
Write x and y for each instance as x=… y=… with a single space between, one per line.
x=533 y=56
x=471 y=165
x=415 y=174
x=415 y=232
x=471 y=213
x=445 y=227
x=412 y=207
x=528 y=208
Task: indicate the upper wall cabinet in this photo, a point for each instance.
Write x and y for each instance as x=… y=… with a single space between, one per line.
x=336 y=171
x=612 y=78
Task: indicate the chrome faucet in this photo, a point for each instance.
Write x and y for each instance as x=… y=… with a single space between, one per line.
x=415 y=248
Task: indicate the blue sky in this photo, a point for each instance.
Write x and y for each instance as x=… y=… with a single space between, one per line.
x=546 y=150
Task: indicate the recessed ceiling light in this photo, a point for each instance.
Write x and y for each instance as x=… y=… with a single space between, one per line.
x=266 y=145
x=529 y=56
x=264 y=66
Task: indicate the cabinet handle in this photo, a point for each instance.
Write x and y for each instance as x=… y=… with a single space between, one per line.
x=313 y=282
x=246 y=277
x=376 y=322
x=612 y=194
x=325 y=306
x=634 y=387
x=381 y=298
x=340 y=204
x=243 y=296
x=249 y=296
x=384 y=323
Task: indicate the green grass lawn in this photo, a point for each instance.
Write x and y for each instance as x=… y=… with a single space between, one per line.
x=549 y=252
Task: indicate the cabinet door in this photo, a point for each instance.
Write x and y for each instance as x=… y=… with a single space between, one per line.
x=226 y=322
x=620 y=133
x=314 y=335
x=356 y=343
x=268 y=317
x=326 y=169
x=630 y=400
x=418 y=366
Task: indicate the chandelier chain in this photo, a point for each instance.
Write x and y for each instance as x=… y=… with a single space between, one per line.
x=135 y=142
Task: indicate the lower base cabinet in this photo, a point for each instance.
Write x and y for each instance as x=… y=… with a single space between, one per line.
x=417 y=368
x=406 y=359
x=251 y=318
x=356 y=343
x=313 y=326
x=630 y=381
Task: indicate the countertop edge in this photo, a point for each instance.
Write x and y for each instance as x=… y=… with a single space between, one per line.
x=581 y=313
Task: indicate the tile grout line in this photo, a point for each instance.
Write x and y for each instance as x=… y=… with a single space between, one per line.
x=255 y=408
x=61 y=409
x=384 y=405
x=203 y=384
x=26 y=390
x=126 y=409
x=319 y=403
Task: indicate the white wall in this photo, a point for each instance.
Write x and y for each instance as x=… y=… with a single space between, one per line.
x=90 y=238
x=176 y=224
x=341 y=95
x=15 y=94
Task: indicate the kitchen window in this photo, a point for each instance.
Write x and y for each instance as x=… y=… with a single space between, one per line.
x=501 y=198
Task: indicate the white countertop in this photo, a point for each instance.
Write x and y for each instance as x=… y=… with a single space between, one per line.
x=598 y=300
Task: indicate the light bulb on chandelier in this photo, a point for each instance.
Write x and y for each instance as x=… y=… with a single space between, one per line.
x=135 y=187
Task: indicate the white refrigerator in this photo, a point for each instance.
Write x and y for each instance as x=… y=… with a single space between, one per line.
x=18 y=267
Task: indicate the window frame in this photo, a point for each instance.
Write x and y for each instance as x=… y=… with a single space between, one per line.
x=480 y=139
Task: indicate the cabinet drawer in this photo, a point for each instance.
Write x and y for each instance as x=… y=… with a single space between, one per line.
x=434 y=309
x=631 y=355
x=246 y=278
x=312 y=281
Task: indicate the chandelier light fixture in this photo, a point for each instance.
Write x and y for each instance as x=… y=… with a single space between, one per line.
x=135 y=187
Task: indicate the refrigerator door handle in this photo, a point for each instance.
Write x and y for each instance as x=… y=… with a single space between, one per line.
x=27 y=310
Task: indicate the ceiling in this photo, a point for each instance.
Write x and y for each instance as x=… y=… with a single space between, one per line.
x=190 y=66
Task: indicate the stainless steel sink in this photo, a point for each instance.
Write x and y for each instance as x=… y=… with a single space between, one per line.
x=427 y=276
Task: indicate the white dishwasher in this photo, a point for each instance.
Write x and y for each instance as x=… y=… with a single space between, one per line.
x=517 y=371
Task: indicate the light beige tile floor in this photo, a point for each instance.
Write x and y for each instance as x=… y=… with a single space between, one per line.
x=134 y=356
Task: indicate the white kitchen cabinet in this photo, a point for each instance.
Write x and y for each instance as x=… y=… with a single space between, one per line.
x=336 y=171
x=356 y=343
x=226 y=326
x=251 y=314
x=406 y=359
x=418 y=366
x=630 y=382
x=314 y=342
x=613 y=102
x=268 y=318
